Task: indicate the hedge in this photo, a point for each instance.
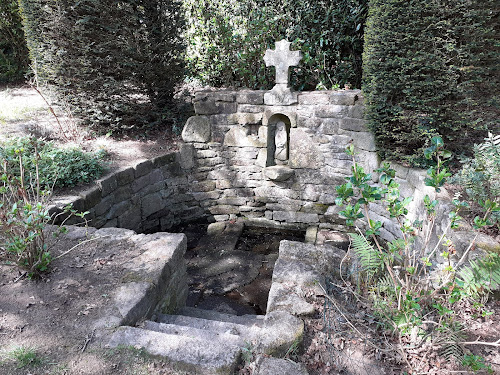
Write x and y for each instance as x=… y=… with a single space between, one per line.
x=115 y=62
x=227 y=40
x=431 y=67
x=13 y=51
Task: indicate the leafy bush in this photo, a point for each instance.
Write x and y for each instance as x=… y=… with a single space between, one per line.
x=115 y=62
x=13 y=49
x=48 y=165
x=480 y=175
x=24 y=200
x=227 y=41
x=401 y=285
x=430 y=68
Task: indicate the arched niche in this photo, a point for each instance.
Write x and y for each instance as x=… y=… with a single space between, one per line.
x=278 y=139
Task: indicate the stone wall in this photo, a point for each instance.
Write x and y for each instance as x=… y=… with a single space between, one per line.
x=227 y=168
x=152 y=196
x=230 y=139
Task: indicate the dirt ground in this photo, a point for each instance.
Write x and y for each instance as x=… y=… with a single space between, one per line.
x=45 y=324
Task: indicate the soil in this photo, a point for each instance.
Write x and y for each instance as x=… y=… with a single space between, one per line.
x=50 y=318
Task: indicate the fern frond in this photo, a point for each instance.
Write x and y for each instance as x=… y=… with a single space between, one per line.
x=481 y=276
x=450 y=337
x=369 y=258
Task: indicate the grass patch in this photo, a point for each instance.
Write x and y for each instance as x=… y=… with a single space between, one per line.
x=24 y=356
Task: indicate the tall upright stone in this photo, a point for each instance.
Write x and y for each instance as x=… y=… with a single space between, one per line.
x=282 y=59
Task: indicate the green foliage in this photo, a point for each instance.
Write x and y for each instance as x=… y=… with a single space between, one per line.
x=13 y=49
x=476 y=363
x=227 y=40
x=49 y=165
x=480 y=176
x=369 y=258
x=481 y=276
x=430 y=68
x=115 y=62
x=24 y=356
x=403 y=289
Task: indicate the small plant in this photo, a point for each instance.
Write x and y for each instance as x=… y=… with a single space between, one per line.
x=476 y=363
x=480 y=175
x=53 y=167
x=24 y=356
x=24 y=215
x=399 y=283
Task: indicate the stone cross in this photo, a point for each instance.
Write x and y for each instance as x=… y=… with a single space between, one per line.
x=282 y=58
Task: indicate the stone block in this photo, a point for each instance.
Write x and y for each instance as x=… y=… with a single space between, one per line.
x=125 y=176
x=163 y=160
x=118 y=209
x=246 y=118
x=249 y=108
x=250 y=97
x=330 y=126
x=272 y=366
x=197 y=129
x=313 y=98
x=237 y=137
x=223 y=96
x=223 y=210
x=353 y=124
x=204 y=186
x=107 y=185
x=91 y=197
x=186 y=156
x=295 y=217
x=362 y=140
x=331 y=111
x=131 y=219
x=311 y=234
x=143 y=168
x=280 y=95
x=278 y=173
x=344 y=97
x=104 y=205
x=150 y=204
x=356 y=111
x=304 y=153
x=122 y=193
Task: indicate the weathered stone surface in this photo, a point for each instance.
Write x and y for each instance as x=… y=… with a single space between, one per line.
x=91 y=197
x=107 y=185
x=331 y=111
x=186 y=156
x=348 y=97
x=286 y=298
x=143 y=168
x=304 y=153
x=246 y=118
x=274 y=366
x=197 y=129
x=150 y=204
x=280 y=95
x=250 y=97
x=278 y=173
x=353 y=124
x=237 y=137
x=282 y=59
x=295 y=217
x=190 y=354
x=314 y=98
x=281 y=330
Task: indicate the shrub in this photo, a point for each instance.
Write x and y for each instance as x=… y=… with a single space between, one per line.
x=13 y=49
x=48 y=165
x=430 y=68
x=227 y=41
x=480 y=175
x=115 y=62
x=401 y=286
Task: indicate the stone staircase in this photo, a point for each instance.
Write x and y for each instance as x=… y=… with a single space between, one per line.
x=197 y=341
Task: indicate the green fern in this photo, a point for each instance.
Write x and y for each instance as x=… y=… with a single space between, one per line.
x=369 y=258
x=482 y=276
x=449 y=342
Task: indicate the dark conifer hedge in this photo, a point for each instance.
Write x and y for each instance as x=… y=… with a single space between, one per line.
x=115 y=62
x=13 y=51
x=431 y=67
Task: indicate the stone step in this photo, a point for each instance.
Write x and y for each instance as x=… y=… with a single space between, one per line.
x=247 y=320
x=246 y=332
x=187 y=331
x=193 y=355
